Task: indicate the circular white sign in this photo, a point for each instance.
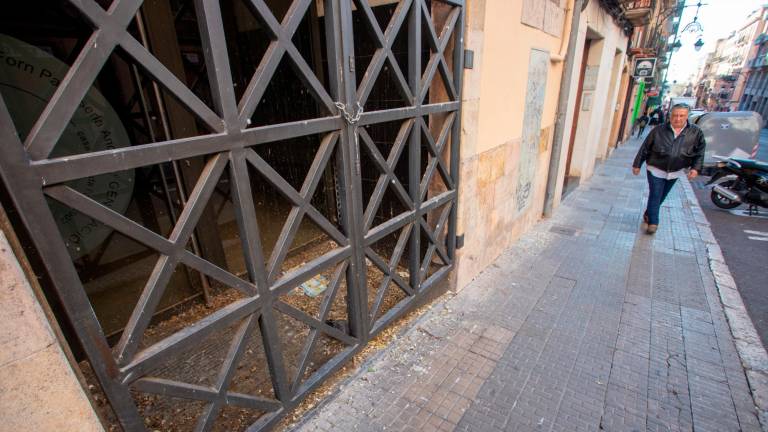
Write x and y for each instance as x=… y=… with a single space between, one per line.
x=28 y=78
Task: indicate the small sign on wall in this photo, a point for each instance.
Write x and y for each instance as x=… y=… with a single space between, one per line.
x=590 y=77
x=535 y=94
x=644 y=67
x=533 y=12
x=586 y=101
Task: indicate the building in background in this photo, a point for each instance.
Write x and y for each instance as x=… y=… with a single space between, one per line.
x=651 y=38
x=190 y=186
x=755 y=97
x=596 y=98
x=716 y=84
x=755 y=94
x=724 y=79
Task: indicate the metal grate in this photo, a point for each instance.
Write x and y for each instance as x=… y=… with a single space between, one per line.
x=428 y=139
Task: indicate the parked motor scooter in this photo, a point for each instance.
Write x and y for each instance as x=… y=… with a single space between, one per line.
x=745 y=182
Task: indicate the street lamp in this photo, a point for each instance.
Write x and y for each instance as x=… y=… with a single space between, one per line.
x=692 y=27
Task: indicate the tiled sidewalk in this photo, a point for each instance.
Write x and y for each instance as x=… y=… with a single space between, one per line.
x=586 y=324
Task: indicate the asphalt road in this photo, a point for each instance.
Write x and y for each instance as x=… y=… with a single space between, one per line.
x=744 y=242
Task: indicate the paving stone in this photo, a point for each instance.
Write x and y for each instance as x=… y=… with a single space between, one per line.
x=605 y=328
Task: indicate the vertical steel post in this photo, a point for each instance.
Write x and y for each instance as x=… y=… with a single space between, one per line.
x=180 y=187
x=339 y=31
x=455 y=168
x=414 y=146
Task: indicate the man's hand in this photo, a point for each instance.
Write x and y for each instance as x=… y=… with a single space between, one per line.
x=635 y=171
x=692 y=174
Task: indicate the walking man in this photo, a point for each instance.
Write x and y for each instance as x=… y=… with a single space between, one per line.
x=669 y=150
x=655 y=117
x=641 y=123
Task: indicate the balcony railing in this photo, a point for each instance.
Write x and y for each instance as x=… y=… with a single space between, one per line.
x=759 y=61
x=637 y=12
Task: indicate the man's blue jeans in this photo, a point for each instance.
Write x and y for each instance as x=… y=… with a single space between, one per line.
x=658 y=189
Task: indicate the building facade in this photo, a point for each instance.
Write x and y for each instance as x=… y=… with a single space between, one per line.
x=716 y=81
x=210 y=207
x=755 y=94
x=755 y=97
x=724 y=79
x=651 y=39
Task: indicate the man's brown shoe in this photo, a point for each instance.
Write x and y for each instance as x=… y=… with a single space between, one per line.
x=652 y=229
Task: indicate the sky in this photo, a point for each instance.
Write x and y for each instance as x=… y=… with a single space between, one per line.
x=718 y=19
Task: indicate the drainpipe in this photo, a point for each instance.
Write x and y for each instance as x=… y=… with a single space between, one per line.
x=562 y=108
x=627 y=98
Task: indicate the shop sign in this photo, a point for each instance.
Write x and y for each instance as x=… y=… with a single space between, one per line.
x=644 y=67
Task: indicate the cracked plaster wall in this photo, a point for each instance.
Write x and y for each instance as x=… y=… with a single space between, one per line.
x=502 y=35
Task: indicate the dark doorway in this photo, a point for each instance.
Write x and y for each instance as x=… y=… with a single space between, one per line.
x=571 y=182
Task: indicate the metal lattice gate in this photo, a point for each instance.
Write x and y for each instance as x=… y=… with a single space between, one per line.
x=417 y=169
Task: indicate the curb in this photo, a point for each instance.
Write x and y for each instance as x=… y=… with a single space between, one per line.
x=752 y=353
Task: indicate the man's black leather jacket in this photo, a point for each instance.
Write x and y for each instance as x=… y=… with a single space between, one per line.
x=662 y=150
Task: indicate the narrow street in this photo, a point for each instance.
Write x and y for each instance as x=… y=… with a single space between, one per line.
x=744 y=241
x=586 y=323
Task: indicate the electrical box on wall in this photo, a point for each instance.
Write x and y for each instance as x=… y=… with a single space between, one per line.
x=469 y=59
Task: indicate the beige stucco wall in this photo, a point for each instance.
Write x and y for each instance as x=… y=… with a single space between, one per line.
x=492 y=119
x=39 y=390
x=588 y=136
x=492 y=125
x=598 y=24
x=611 y=105
x=504 y=70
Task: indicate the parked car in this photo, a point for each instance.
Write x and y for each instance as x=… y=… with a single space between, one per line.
x=729 y=134
x=695 y=113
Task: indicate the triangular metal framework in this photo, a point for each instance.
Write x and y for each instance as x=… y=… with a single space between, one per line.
x=31 y=176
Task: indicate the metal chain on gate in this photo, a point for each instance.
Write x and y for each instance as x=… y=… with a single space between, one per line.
x=352 y=121
x=349 y=117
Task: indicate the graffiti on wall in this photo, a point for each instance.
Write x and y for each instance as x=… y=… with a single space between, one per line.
x=534 y=105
